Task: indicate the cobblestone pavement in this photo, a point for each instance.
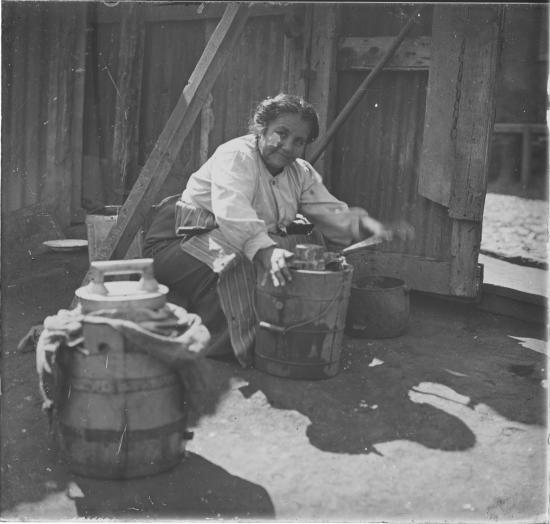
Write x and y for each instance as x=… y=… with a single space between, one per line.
x=515 y=228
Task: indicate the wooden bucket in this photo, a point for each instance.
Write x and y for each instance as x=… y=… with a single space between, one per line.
x=301 y=325
x=122 y=414
x=98 y=226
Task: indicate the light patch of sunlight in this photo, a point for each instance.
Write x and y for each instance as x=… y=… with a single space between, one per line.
x=455 y=373
x=54 y=506
x=375 y=362
x=540 y=346
x=426 y=392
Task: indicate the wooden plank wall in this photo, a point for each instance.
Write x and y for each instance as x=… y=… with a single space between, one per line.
x=42 y=97
x=172 y=43
x=86 y=146
x=377 y=151
x=253 y=72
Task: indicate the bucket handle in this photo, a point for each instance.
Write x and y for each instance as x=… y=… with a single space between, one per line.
x=282 y=330
x=100 y=268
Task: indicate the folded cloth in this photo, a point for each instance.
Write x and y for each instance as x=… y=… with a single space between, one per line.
x=191 y=219
x=171 y=334
x=29 y=341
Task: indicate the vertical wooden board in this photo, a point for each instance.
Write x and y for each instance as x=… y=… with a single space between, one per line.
x=63 y=158
x=46 y=107
x=8 y=99
x=106 y=71
x=438 y=160
x=78 y=68
x=306 y=74
x=99 y=109
x=33 y=101
x=460 y=108
x=465 y=280
x=165 y=76
x=16 y=175
x=61 y=32
x=322 y=87
x=293 y=42
x=43 y=75
x=476 y=112
x=253 y=72
x=127 y=107
x=49 y=177
x=93 y=189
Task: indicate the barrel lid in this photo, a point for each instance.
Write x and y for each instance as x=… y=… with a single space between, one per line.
x=123 y=290
x=122 y=294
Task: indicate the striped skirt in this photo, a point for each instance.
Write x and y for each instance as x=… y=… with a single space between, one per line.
x=237 y=283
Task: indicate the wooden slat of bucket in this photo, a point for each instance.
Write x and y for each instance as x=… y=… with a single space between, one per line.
x=305 y=298
x=121 y=455
x=318 y=300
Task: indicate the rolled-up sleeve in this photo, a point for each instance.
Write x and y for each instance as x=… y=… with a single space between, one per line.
x=233 y=186
x=338 y=222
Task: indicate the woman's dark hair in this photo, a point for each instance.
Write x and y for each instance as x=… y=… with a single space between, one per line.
x=271 y=108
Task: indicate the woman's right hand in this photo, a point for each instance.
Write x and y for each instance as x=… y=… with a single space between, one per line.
x=274 y=264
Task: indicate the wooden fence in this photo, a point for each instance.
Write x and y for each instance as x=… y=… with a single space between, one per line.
x=89 y=88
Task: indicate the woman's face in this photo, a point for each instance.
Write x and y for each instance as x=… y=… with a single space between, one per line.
x=283 y=141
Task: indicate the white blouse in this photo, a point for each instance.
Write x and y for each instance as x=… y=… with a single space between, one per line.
x=248 y=202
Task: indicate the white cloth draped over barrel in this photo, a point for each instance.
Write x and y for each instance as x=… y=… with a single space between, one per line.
x=249 y=208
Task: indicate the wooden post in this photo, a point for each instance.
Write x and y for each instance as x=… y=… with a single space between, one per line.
x=322 y=86
x=525 y=157
x=128 y=100
x=296 y=51
x=460 y=108
x=161 y=159
x=79 y=84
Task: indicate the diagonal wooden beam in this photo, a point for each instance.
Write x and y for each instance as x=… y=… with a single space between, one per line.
x=160 y=161
x=179 y=124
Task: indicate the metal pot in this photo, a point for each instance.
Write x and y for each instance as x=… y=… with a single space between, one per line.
x=378 y=308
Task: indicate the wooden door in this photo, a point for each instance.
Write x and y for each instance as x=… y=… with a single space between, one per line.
x=416 y=147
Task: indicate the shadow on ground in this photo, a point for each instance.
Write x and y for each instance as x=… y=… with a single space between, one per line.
x=194 y=489
x=450 y=351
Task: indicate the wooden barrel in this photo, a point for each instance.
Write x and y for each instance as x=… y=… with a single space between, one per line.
x=301 y=325
x=122 y=413
x=378 y=308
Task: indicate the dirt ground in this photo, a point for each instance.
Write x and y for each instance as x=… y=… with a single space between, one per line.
x=444 y=423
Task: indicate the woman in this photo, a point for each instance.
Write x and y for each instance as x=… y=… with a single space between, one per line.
x=232 y=220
